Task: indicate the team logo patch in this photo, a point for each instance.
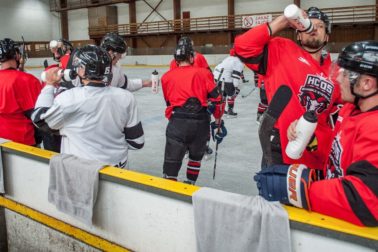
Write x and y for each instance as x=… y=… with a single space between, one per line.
x=316 y=93
x=334 y=169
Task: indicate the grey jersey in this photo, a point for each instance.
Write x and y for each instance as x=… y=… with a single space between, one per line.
x=98 y=123
x=119 y=79
x=232 y=70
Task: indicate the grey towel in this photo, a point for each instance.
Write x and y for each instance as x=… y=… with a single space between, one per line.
x=232 y=222
x=73 y=185
x=2 y=187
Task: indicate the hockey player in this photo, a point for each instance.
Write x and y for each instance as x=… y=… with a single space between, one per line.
x=96 y=121
x=61 y=50
x=350 y=190
x=18 y=92
x=231 y=76
x=186 y=90
x=303 y=69
x=117 y=47
x=199 y=59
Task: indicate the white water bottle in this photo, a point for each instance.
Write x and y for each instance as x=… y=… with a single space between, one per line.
x=155 y=82
x=305 y=129
x=295 y=16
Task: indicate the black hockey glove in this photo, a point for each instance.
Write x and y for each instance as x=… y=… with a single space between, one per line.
x=218 y=135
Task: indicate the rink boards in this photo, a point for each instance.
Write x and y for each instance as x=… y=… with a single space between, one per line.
x=135 y=212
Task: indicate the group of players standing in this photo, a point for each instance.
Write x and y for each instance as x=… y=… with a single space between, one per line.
x=98 y=119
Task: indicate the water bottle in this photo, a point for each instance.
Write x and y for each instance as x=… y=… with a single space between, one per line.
x=155 y=82
x=295 y=16
x=66 y=75
x=305 y=129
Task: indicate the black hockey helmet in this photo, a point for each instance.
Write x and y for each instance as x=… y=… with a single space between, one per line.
x=114 y=42
x=360 y=57
x=314 y=12
x=61 y=46
x=186 y=40
x=96 y=62
x=184 y=49
x=8 y=49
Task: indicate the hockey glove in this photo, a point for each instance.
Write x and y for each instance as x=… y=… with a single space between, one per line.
x=287 y=184
x=211 y=107
x=218 y=135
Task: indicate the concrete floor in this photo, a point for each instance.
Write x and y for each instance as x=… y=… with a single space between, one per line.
x=238 y=155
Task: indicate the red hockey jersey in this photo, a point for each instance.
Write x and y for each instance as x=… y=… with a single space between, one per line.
x=351 y=190
x=19 y=92
x=184 y=82
x=283 y=62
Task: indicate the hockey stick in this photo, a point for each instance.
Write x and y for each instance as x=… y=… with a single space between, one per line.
x=220 y=122
x=278 y=103
x=24 y=55
x=250 y=92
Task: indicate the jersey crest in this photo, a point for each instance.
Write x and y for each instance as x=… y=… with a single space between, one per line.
x=334 y=169
x=316 y=93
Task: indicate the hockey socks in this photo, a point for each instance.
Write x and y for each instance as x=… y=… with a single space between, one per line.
x=193 y=170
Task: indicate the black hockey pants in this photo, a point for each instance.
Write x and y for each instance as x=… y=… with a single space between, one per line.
x=185 y=132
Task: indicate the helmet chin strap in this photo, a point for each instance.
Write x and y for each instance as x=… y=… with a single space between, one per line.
x=358 y=97
x=314 y=51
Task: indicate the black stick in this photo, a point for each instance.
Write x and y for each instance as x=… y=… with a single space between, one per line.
x=276 y=106
x=220 y=121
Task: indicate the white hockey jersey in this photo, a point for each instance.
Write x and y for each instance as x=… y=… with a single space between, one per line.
x=120 y=80
x=232 y=70
x=96 y=122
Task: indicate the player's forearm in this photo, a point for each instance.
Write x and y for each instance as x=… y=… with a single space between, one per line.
x=278 y=24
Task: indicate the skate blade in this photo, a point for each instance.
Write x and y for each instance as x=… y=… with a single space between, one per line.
x=231 y=116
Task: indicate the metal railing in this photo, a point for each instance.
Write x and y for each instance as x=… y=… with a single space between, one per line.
x=56 y=5
x=348 y=15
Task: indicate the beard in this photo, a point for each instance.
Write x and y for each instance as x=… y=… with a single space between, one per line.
x=312 y=43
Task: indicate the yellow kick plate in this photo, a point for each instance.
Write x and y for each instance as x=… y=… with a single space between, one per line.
x=295 y=214
x=79 y=234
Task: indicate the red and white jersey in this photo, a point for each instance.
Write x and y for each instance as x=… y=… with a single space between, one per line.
x=350 y=191
x=199 y=61
x=283 y=62
x=356 y=139
x=19 y=92
x=184 y=82
x=232 y=70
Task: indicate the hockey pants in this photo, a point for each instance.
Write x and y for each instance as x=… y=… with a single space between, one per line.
x=185 y=134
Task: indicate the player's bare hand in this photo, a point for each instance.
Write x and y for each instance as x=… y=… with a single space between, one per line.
x=291 y=133
x=53 y=76
x=147 y=83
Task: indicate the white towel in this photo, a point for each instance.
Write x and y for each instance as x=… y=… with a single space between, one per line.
x=73 y=185
x=2 y=187
x=232 y=222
